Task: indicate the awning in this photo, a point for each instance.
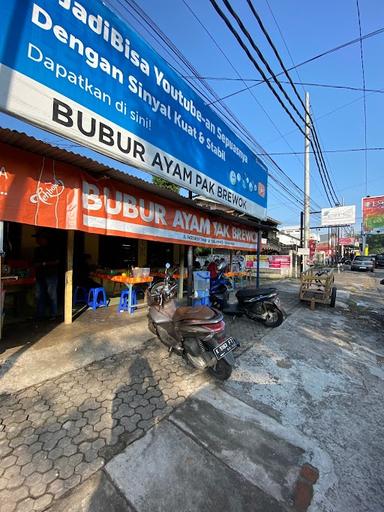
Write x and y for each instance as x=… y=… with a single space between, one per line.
x=46 y=186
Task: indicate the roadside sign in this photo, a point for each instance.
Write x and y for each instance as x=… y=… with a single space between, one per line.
x=373 y=214
x=78 y=70
x=338 y=216
x=303 y=251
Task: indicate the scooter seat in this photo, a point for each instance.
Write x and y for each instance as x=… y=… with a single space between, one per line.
x=246 y=293
x=190 y=313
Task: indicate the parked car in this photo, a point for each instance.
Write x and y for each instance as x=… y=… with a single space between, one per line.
x=363 y=263
x=379 y=261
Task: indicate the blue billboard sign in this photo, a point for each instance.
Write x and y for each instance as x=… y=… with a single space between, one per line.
x=78 y=70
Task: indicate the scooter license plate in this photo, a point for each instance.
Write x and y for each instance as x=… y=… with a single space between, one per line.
x=224 y=348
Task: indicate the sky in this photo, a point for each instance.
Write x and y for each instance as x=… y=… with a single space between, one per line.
x=300 y=29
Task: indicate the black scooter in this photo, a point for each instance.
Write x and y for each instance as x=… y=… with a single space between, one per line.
x=196 y=333
x=260 y=304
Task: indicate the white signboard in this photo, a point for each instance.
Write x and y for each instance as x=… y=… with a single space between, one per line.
x=303 y=251
x=338 y=216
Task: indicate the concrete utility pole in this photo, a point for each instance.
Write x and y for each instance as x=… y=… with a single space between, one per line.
x=306 y=176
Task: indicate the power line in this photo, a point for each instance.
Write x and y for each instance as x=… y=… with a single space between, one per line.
x=349 y=150
x=307 y=84
x=314 y=177
x=364 y=97
x=312 y=126
x=238 y=123
x=319 y=161
x=320 y=55
x=230 y=117
x=251 y=92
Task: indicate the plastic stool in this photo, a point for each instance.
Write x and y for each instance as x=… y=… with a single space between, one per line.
x=97 y=298
x=80 y=295
x=123 y=304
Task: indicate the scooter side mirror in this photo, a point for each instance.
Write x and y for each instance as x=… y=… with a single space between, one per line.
x=167 y=266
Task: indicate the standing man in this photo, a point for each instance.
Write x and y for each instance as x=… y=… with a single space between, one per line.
x=46 y=262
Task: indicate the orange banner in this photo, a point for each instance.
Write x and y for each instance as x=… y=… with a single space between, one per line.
x=44 y=192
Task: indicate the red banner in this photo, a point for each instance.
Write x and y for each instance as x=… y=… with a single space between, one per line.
x=347 y=241
x=44 y=192
x=279 y=261
x=312 y=248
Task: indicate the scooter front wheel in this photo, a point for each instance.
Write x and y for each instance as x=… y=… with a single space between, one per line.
x=222 y=370
x=274 y=317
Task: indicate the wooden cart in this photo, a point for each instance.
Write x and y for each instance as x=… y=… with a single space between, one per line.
x=317 y=285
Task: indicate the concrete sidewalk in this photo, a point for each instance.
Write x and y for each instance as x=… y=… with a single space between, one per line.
x=140 y=431
x=310 y=392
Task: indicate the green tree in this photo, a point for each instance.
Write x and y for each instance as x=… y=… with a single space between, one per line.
x=161 y=182
x=375 y=244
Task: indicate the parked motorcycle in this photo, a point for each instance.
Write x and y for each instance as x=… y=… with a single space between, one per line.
x=260 y=304
x=196 y=333
x=219 y=289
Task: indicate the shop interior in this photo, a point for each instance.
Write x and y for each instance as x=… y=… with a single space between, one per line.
x=97 y=259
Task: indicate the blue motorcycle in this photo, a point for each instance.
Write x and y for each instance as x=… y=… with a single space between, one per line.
x=219 y=289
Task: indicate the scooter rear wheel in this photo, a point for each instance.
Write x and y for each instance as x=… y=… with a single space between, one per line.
x=222 y=370
x=274 y=317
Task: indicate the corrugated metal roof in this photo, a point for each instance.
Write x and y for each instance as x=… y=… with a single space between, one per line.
x=28 y=143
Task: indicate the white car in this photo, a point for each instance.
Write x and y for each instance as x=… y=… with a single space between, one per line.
x=363 y=263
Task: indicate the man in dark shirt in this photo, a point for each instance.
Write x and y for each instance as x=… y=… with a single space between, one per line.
x=46 y=263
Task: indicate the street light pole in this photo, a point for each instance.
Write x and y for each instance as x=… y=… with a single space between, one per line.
x=306 y=176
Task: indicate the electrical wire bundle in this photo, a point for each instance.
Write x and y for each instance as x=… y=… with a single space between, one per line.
x=284 y=99
x=280 y=181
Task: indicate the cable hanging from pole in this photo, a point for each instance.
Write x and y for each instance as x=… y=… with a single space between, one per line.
x=285 y=71
x=260 y=70
x=229 y=117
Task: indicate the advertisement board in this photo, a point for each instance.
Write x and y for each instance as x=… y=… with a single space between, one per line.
x=373 y=214
x=272 y=261
x=347 y=241
x=338 y=216
x=43 y=192
x=78 y=70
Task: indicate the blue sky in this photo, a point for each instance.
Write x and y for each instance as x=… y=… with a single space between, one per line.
x=308 y=29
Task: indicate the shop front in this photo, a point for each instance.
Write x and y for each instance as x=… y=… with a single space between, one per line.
x=96 y=220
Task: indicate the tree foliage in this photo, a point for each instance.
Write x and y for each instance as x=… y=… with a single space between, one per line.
x=375 y=244
x=161 y=182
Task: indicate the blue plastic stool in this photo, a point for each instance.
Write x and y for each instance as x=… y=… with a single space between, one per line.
x=97 y=298
x=123 y=304
x=80 y=296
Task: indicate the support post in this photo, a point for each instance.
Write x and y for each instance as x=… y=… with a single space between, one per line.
x=230 y=260
x=1 y=278
x=68 y=294
x=258 y=259
x=180 y=289
x=301 y=240
x=190 y=274
x=306 y=176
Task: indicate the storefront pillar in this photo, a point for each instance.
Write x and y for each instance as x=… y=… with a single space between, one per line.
x=230 y=260
x=190 y=275
x=68 y=292
x=258 y=259
x=181 y=273
x=1 y=282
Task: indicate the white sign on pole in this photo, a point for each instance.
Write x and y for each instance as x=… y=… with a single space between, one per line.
x=338 y=216
x=303 y=251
